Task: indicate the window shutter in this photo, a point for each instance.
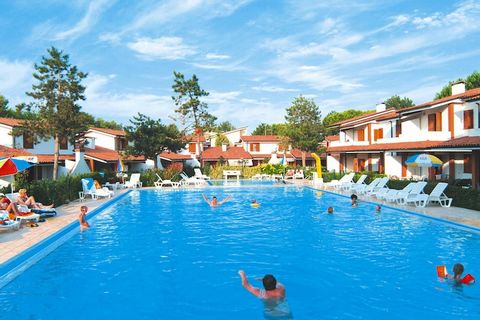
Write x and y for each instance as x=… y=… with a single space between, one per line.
x=398 y=129
x=380 y=133
x=431 y=122
x=468 y=119
x=361 y=135
x=438 y=122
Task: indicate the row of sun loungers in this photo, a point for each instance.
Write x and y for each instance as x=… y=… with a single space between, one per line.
x=412 y=194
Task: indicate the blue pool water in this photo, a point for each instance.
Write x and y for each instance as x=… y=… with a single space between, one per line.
x=167 y=255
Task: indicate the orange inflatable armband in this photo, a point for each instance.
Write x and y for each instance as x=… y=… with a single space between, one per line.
x=468 y=279
x=442 y=271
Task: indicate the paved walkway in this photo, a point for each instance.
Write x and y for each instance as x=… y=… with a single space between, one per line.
x=15 y=242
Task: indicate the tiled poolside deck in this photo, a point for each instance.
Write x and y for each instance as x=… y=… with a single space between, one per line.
x=15 y=242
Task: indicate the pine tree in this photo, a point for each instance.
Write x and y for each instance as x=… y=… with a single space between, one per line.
x=56 y=96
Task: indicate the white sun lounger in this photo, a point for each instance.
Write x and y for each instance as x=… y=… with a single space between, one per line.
x=365 y=187
x=393 y=194
x=189 y=181
x=160 y=183
x=353 y=185
x=343 y=180
x=8 y=224
x=437 y=195
x=200 y=175
x=413 y=194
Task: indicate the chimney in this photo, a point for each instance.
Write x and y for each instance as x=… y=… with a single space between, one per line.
x=224 y=147
x=458 y=87
x=381 y=107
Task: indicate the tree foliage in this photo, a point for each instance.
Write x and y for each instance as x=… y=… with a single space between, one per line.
x=471 y=82
x=264 y=129
x=334 y=117
x=224 y=126
x=148 y=137
x=399 y=103
x=189 y=105
x=304 y=125
x=56 y=96
x=221 y=139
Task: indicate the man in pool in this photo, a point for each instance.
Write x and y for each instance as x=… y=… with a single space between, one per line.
x=273 y=296
x=330 y=210
x=214 y=202
x=272 y=289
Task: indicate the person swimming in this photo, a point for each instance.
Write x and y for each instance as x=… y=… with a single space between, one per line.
x=378 y=208
x=254 y=203
x=214 y=202
x=273 y=296
x=354 y=199
x=458 y=271
x=330 y=210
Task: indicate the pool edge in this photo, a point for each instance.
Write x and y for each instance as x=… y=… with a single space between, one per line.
x=16 y=265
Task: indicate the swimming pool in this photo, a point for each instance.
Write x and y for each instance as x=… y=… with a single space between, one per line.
x=158 y=254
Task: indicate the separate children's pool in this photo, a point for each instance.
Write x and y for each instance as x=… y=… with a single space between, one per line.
x=168 y=255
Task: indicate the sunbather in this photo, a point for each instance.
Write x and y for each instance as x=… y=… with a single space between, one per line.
x=29 y=201
x=11 y=208
x=214 y=202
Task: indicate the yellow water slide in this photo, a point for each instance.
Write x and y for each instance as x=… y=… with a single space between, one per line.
x=319 y=164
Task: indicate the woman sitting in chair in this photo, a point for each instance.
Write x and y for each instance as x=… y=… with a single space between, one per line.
x=30 y=202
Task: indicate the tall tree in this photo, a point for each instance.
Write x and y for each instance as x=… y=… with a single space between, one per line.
x=221 y=139
x=56 y=95
x=334 y=117
x=188 y=102
x=399 y=103
x=471 y=82
x=148 y=137
x=304 y=125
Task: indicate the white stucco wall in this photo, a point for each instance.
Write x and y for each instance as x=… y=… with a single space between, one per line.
x=102 y=140
x=393 y=165
x=265 y=147
x=5 y=138
x=333 y=163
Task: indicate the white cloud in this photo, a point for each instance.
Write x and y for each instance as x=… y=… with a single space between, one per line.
x=273 y=89
x=215 y=56
x=94 y=11
x=15 y=79
x=165 y=48
x=123 y=106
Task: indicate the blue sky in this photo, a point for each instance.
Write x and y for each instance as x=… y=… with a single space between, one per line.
x=253 y=57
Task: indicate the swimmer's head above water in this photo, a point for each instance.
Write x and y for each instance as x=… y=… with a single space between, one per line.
x=269 y=282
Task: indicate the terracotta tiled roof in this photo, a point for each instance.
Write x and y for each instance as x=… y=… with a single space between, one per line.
x=354 y=118
x=6 y=152
x=48 y=158
x=374 y=116
x=172 y=156
x=113 y=132
x=194 y=138
x=109 y=155
x=332 y=138
x=453 y=143
x=214 y=153
x=10 y=121
x=297 y=153
x=260 y=156
x=467 y=95
x=260 y=138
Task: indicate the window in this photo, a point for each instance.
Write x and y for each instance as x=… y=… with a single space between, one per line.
x=192 y=148
x=467 y=163
x=63 y=143
x=121 y=143
x=27 y=140
x=468 y=119
x=361 y=135
x=254 y=147
x=377 y=134
x=398 y=129
x=435 y=121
